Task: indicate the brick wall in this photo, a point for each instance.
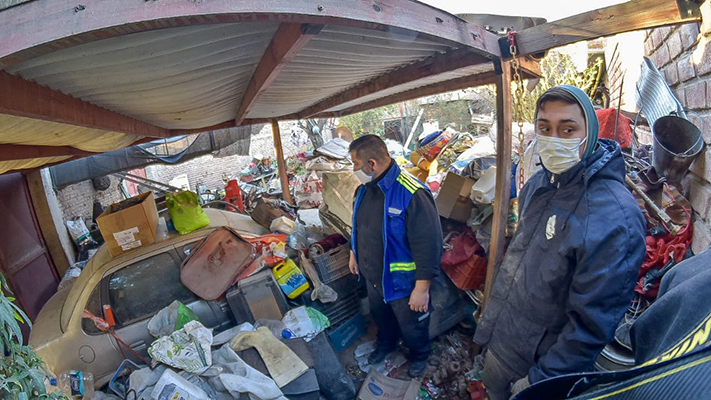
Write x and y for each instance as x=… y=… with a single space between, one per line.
x=683 y=54
x=78 y=200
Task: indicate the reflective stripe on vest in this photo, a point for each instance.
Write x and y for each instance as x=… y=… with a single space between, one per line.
x=402 y=266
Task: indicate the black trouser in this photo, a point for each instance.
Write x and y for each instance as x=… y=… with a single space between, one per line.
x=497 y=378
x=395 y=319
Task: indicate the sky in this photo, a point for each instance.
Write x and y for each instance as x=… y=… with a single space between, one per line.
x=550 y=9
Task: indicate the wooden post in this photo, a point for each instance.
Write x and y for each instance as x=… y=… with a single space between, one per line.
x=503 y=175
x=280 y=162
x=46 y=223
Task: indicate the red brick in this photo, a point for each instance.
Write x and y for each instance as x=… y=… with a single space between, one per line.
x=701 y=237
x=686 y=69
x=664 y=32
x=696 y=96
x=706 y=128
x=661 y=56
x=671 y=75
x=674 y=45
x=696 y=120
x=680 y=94
x=703 y=65
x=700 y=196
x=689 y=34
x=657 y=38
x=648 y=47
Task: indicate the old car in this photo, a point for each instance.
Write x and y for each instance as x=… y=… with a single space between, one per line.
x=136 y=285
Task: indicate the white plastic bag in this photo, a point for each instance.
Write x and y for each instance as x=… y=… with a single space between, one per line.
x=187 y=349
x=230 y=374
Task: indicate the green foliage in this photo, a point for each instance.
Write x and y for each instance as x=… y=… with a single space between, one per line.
x=368 y=122
x=21 y=370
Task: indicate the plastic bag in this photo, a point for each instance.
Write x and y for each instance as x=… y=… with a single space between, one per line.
x=79 y=232
x=185 y=211
x=170 y=319
x=308 y=191
x=187 y=349
x=305 y=322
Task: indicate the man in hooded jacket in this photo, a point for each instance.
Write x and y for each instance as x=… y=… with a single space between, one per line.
x=568 y=275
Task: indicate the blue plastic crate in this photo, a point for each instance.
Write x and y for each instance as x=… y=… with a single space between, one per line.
x=347 y=333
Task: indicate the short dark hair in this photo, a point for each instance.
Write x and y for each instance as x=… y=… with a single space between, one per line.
x=556 y=93
x=369 y=147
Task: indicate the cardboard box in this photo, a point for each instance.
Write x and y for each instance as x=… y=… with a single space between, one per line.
x=378 y=386
x=129 y=224
x=453 y=200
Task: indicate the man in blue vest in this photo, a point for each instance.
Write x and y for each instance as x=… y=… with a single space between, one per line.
x=397 y=246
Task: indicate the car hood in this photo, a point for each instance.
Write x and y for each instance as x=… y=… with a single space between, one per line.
x=47 y=326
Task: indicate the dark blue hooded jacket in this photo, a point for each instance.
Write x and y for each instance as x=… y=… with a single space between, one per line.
x=569 y=273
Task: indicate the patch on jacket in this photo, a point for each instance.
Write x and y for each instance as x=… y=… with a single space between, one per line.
x=394 y=211
x=550 y=227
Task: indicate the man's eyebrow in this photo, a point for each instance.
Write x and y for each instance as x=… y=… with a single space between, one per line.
x=564 y=121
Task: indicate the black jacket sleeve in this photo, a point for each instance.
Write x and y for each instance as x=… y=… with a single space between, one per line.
x=424 y=233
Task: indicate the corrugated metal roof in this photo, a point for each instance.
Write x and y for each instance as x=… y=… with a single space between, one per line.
x=339 y=58
x=459 y=73
x=6 y=166
x=27 y=131
x=177 y=78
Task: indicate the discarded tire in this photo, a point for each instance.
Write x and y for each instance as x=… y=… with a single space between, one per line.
x=101 y=183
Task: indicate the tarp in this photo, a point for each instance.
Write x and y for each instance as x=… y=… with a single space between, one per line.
x=144 y=154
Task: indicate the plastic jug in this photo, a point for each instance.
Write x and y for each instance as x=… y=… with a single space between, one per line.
x=290 y=279
x=76 y=384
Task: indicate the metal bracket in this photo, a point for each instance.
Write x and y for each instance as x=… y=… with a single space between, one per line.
x=311 y=29
x=498 y=68
x=689 y=8
x=505 y=48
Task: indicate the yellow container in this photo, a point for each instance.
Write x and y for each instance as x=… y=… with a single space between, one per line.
x=292 y=282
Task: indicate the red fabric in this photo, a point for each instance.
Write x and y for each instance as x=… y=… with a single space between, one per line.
x=464 y=246
x=607 y=117
x=658 y=254
x=465 y=263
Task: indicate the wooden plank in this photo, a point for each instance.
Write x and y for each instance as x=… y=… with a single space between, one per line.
x=436 y=88
x=503 y=176
x=620 y=18
x=27 y=99
x=284 y=179
x=435 y=65
x=288 y=40
x=23 y=152
x=40 y=27
x=529 y=69
x=46 y=222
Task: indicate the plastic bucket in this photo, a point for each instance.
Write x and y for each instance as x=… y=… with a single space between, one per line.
x=677 y=143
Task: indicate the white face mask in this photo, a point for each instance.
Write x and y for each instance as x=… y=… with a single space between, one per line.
x=362 y=176
x=559 y=155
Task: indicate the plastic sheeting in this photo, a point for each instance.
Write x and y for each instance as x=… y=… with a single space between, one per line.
x=137 y=156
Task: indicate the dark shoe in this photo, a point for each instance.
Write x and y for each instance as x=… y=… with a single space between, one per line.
x=417 y=368
x=379 y=355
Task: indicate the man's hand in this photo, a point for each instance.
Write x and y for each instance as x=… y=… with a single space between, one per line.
x=420 y=297
x=352 y=264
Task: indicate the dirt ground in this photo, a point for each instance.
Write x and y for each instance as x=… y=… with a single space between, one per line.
x=446 y=375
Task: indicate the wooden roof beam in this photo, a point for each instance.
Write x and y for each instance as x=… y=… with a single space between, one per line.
x=27 y=99
x=288 y=40
x=429 y=90
x=9 y=152
x=434 y=65
x=529 y=69
x=620 y=18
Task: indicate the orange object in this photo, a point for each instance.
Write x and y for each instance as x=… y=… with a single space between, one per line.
x=109 y=315
x=233 y=194
x=468 y=275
